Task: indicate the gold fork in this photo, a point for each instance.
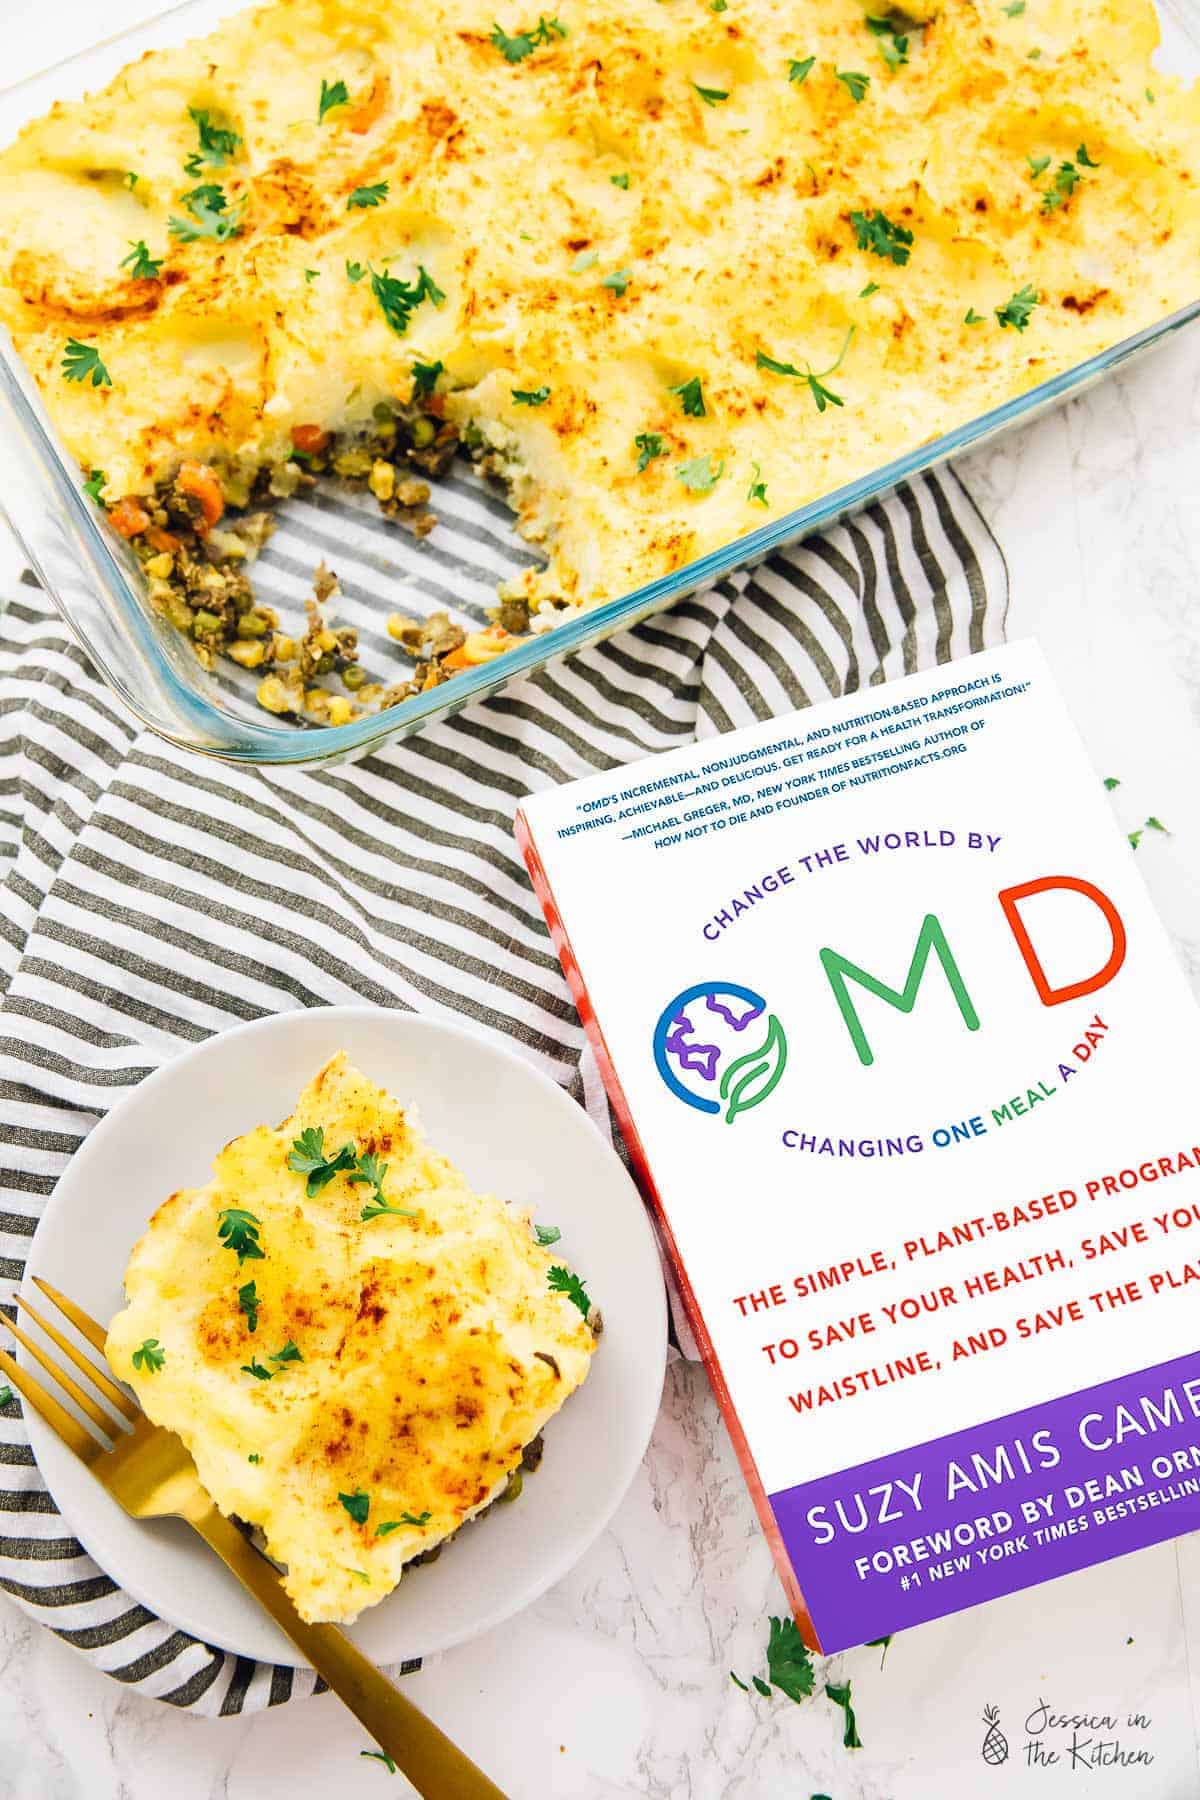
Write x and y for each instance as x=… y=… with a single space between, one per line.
x=147 y=1471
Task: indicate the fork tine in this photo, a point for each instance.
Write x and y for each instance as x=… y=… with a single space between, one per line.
x=83 y=1322
x=85 y=1402
x=108 y=1387
x=86 y=1447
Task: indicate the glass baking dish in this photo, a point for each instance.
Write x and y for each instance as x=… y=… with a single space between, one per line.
x=96 y=583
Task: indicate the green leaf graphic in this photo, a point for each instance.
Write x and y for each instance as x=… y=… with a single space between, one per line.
x=750 y=1078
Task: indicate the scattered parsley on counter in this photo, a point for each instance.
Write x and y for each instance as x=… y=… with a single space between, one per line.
x=738 y=1682
x=307 y=1157
x=822 y=396
x=289 y=1354
x=1016 y=311
x=760 y=1687
x=333 y=93
x=856 y=85
x=382 y=1755
x=358 y=1505
x=398 y=300
x=841 y=1697
x=800 y=69
x=756 y=493
x=248 y=1302
x=562 y=1281
x=881 y=236
x=1151 y=824
x=515 y=49
x=211 y=216
x=141 y=265
x=530 y=396
x=618 y=281
x=406 y=1518
x=893 y=47
x=238 y=1231
x=81 y=362
x=711 y=96
x=971 y=317
x=1111 y=782
x=546 y=1235
x=149 y=1356
x=789 y=1664
x=621 y=181
x=425 y=376
x=218 y=145
x=355 y=271
x=95 y=481
x=698 y=475
x=362 y=197
x=255 y=1368
x=691 y=397
x=650 y=445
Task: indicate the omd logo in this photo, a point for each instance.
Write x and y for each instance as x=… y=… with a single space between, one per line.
x=718 y=1048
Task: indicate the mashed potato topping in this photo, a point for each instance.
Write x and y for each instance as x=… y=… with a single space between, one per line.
x=672 y=266
x=356 y=1349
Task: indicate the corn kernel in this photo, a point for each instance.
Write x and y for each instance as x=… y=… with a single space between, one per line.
x=482 y=646
x=398 y=627
x=272 y=694
x=341 y=710
x=159 y=566
x=382 y=480
x=283 y=648
x=249 y=652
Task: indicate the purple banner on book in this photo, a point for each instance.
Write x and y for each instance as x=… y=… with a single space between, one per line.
x=999 y=1506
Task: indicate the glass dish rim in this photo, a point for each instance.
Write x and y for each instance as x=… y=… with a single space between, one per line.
x=237 y=741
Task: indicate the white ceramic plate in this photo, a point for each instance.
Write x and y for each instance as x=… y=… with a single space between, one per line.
x=513 y=1132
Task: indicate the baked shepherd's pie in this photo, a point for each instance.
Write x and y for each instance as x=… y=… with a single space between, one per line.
x=359 y=1352
x=664 y=267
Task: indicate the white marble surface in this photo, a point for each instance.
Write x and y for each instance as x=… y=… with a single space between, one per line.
x=617 y=1683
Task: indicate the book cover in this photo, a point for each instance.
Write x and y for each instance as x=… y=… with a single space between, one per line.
x=908 y=1070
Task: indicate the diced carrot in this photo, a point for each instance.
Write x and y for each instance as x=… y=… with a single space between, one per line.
x=457 y=659
x=364 y=116
x=128 y=518
x=162 y=540
x=198 y=480
x=310 y=440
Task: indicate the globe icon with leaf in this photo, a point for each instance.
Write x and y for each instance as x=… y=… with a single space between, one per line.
x=719 y=1049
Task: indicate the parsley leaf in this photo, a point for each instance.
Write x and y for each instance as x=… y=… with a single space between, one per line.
x=355 y=271
x=691 y=397
x=757 y=491
x=82 y=361
x=971 y=317
x=530 y=396
x=799 y=69
x=1111 y=782
x=289 y=1354
x=893 y=47
x=333 y=93
x=362 y=197
x=406 y=1518
x=218 y=145
x=377 y=1206
x=1066 y=180
x=238 y=1231
x=562 y=1281
x=95 y=481
x=872 y=287
x=822 y=396
x=254 y=1457
x=719 y=6
x=1015 y=8
x=699 y=474
x=381 y=1756
x=211 y=216
x=738 y=1682
x=856 y=85
x=310 y=275
x=307 y=1157
x=711 y=96
x=370 y=1170
x=1038 y=165
x=881 y=236
x=841 y=1697
x=255 y=1368
x=618 y=281
x=358 y=1505
x=425 y=376
x=789 y=1664
x=148 y=1356
x=1016 y=310
x=398 y=300
x=587 y=259
x=523 y=43
x=621 y=181
x=546 y=1235
x=1082 y=157
x=650 y=445
x=761 y=1687
x=1135 y=838
x=248 y=1301
x=141 y=265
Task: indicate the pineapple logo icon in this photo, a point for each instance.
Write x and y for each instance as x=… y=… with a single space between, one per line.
x=995 y=1744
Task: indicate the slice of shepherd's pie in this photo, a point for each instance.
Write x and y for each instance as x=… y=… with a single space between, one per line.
x=357 y=1349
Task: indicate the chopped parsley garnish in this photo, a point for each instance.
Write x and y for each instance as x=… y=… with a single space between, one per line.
x=130 y=180
x=587 y=259
x=1083 y=159
x=738 y=1682
x=618 y=281
x=789 y=1664
x=562 y=1281
x=1035 y=56
x=381 y=1756
x=333 y=93
x=800 y=68
x=1150 y=95
x=546 y=1235
x=516 y=48
x=1016 y=311
x=406 y=1518
x=856 y=85
x=881 y=236
x=248 y=1302
x=362 y=197
x=1066 y=180
x=148 y=1356
x=254 y=1457
x=95 y=481
x=719 y=6
x=1111 y=782
x=691 y=397
x=822 y=396
x=141 y=265
x=711 y=96
x=971 y=317
x=307 y=1157
x=650 y=445
x=238 y=1231
x=371 y=1171
x=841 y=1697
x=699 y=475
x=1015 y=8
x=310 y=275
x=530 y=396
x=218 y=145
x=355 y=271
x=756 y=493
x=425 y=376
x=398 y=300
x=289 y=1354
x=872 y=287
x=255 y=1368
x=81 y=362
x=893 y=46
x=378 y=1206
x=1038 y=165
x=622 y=180
x=358 y=1505
x=211 y=216
x=760 y=1687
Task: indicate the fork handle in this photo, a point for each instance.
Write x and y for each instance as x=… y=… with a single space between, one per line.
x=437 y=1768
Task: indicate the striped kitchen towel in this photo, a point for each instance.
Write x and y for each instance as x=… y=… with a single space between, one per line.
x=148 y=898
